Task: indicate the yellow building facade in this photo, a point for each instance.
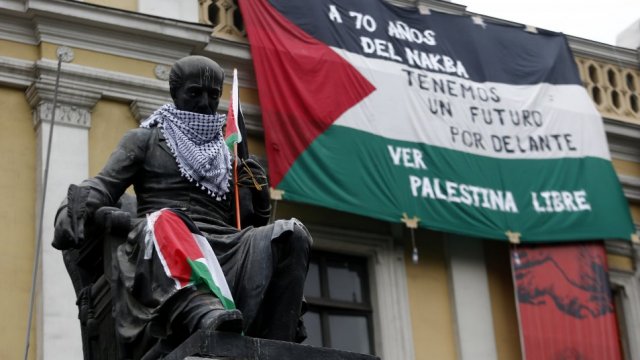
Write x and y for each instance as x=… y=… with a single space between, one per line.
x=120 y=52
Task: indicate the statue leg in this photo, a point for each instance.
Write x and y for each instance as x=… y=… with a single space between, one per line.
x=202 y=310
x=280 y=309
x=192 y=310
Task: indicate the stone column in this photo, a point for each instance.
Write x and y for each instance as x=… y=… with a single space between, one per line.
x=471 y=299
x=58 y=329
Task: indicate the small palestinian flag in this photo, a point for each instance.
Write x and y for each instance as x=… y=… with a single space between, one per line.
x=185 y=254
x=233 y=133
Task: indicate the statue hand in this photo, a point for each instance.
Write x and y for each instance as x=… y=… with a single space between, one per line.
x=254 y=193
x=253 y=175
x=63 y=236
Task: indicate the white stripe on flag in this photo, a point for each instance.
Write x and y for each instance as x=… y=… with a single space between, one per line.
x=401 y=111
x=214 y=266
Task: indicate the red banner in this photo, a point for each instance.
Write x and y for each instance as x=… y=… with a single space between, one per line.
x=565 y=303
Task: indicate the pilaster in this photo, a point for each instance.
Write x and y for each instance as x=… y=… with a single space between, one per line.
x=471 y=299
x=56 y=312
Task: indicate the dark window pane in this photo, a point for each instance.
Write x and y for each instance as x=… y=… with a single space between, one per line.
x=314 y=330
x=349 y=333
x=312 y=284
x=345 y=281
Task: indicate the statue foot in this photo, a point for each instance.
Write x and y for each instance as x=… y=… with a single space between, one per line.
x=222 y=320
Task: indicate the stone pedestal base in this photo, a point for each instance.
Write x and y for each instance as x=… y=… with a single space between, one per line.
x=205 y=345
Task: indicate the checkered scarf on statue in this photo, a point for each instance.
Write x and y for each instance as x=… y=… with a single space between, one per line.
x=197 y=143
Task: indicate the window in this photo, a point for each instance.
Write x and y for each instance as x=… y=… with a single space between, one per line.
x=337 y=292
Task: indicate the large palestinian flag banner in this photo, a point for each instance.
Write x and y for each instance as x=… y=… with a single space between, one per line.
x=473 y=127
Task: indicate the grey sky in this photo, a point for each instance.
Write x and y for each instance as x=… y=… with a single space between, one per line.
x=594 y=20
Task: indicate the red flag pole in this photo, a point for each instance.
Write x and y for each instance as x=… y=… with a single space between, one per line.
x=235 y=184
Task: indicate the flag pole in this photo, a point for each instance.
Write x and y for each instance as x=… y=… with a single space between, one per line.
x=235 y=184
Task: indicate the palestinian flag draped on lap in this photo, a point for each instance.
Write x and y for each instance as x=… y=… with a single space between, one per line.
x=475 y=128
x=185 y=254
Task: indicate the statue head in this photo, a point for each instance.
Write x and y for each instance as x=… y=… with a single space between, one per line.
x=195 y=83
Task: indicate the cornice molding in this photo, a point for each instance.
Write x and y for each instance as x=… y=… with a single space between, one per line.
x=110 y=41
x=102 y=29
x=141 y=109
x=15 y=5
x=604 y=52
x=623 y=138
x=116 y=19
x=15 y=72
x=619 y=247
x=15 y=27
x=230 y=55
x=631 y=187
x=108 y=84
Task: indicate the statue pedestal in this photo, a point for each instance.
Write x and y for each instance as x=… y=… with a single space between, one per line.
x=205 y=345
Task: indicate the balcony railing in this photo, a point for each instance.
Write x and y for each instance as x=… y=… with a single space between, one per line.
x=613 y=88
x=225 y=17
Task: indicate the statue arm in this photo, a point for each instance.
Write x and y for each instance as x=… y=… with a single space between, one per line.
x=102 y=190
x=120 y=170
x=255 y=205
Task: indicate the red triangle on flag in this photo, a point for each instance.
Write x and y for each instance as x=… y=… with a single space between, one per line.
x=304 y=86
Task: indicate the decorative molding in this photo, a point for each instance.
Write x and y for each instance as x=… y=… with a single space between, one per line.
x=162 y=72
x=141 y=110
x=224 y=25
x=129 y=43
x=392 y=322
x=69 y=115
x=233 y=50
x=42 y=90
x=102 y=29
x=631 y=187
x=15 y=5
x=619 y=247
x=107 y=84
x=16 y=73
x=623 y=138
x=604 y=52
x=14 y=27
x=73 y=105
x=65 y=54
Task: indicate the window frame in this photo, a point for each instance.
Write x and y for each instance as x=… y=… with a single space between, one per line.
x=391 y=319
x=627 y=285
x=325 y=306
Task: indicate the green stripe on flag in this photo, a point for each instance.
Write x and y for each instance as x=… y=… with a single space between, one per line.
x=232 y=139
x=200 y=274
x=355 y=171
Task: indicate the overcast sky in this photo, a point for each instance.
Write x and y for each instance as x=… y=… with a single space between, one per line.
x=594 y=20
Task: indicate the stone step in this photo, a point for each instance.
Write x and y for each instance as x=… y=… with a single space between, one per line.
x=213 y=345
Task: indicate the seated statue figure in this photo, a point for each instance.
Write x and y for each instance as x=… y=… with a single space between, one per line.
x=177 y=160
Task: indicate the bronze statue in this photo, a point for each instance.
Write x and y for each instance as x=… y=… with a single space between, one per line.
x=177 y=159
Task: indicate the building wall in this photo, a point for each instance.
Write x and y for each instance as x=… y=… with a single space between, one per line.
x=431 y=310
x=17 y=191
x=109 y=121
x=101 y=60
x=17 y=50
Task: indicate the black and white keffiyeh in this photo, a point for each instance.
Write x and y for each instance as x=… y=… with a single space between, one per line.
x=197 y=143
